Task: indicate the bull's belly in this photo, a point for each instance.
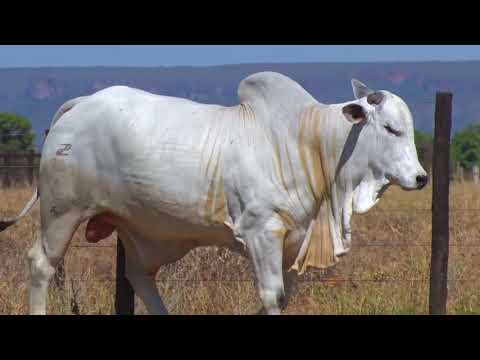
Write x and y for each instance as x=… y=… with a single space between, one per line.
x=162 y=240
x=159 y=228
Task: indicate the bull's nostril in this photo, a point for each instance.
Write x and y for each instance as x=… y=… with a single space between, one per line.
x=422 y=180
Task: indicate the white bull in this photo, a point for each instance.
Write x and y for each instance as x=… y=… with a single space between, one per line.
x=276 y=178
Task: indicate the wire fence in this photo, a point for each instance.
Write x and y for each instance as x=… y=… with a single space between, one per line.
x=347 y=279
x=343 y=278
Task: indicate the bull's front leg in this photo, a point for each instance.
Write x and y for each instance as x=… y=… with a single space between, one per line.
x=259 y=232
x=289 y=279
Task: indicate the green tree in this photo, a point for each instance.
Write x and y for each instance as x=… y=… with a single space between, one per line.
x=466 y=146
x=15 y=133
x=424 y=144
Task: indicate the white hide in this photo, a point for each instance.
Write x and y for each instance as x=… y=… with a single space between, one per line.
x=174 y=174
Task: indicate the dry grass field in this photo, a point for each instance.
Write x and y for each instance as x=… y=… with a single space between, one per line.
x=387 y=271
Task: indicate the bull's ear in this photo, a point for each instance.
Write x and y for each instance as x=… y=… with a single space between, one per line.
x=360 y=90
x=375 y=98
x=354 y=113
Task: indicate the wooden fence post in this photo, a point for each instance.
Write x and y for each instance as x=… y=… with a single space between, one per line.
x=440 y=211
x=7 y=182
x=124 y=296
x=30 y=165
x=476 y=173
x=59 y=277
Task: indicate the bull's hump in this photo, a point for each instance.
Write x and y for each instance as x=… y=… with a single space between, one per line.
x=272 y=88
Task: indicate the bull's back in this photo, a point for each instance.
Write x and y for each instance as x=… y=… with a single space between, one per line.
x=133 y=152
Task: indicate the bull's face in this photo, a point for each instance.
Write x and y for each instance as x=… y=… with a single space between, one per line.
x=389 y=136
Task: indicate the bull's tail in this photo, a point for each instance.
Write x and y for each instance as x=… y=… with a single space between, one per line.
x=7 y=223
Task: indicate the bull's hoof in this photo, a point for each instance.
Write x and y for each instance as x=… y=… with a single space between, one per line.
x=262 y=311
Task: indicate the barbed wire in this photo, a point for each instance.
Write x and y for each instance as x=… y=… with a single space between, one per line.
x=420 y=210
x=358 y=245
x=344 y=280
x=94 y=246
x=18 y=166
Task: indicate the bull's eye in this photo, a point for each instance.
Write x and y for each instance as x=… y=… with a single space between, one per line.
x=392 y=130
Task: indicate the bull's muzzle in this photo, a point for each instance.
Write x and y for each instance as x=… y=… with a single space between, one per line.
x=422 y=181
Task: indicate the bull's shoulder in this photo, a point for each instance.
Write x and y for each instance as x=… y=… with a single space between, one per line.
x=269 y=89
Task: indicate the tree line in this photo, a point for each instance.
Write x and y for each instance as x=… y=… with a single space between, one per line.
x=16 y=134
x=464 y=149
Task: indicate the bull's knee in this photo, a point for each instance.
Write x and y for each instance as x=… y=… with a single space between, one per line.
x=41 y=269
x=273 y=300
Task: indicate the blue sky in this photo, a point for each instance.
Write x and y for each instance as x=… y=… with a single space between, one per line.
x=204 y=55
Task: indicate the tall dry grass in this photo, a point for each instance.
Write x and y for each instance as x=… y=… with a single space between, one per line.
x=386 y=272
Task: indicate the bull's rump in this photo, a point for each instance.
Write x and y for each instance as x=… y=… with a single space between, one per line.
x=132 y=151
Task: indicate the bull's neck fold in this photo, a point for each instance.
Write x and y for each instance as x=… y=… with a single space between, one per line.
x=324 y=170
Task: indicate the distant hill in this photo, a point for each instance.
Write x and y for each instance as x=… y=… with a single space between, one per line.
x=37 y=93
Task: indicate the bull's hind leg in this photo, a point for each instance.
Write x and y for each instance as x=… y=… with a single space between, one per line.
x=41 y=272
x=142 y=281
x=47 y=250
